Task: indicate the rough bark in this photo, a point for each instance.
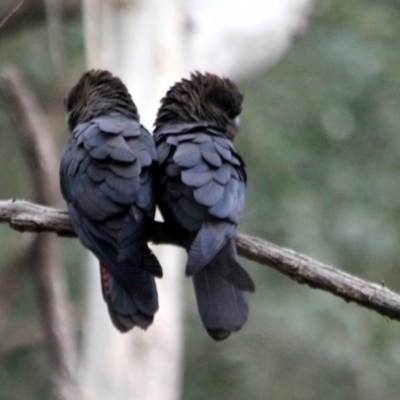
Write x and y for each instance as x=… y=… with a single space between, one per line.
x=25 y=216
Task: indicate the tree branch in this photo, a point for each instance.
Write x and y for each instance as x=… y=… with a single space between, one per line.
x=306 y=270
x=25 y=216
x=10 y=13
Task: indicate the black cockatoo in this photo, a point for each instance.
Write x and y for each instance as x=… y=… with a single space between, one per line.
x=200 y=189
x=106 y=179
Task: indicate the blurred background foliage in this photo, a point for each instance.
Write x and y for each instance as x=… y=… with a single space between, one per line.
x=321 y=142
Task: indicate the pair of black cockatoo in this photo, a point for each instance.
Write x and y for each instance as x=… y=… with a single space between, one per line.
x=113 y=173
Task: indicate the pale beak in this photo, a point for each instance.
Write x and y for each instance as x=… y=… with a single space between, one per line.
x=236 y=122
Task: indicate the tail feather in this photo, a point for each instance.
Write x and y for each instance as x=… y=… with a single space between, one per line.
x=150 y=263
x=208 y=242
x=220 y=292
x=223 y=308
x=126 y=272
x=226 y=265
x=129 y=308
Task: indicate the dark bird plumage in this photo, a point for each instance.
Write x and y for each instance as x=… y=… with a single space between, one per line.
x=106 y=179
x=201 y=185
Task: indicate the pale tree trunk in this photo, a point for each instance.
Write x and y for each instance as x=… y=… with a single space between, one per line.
x=141 y=42
x=150 y=44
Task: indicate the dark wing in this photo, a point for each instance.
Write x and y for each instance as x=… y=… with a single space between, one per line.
x=106 y=178
x=203 y=187
x=202 y=184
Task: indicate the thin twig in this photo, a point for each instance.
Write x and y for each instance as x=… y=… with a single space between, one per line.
x=11 y=13
x=25 y=216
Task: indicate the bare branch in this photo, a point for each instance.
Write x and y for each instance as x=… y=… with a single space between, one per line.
x=25 y=216
x=306 y=270
x=10 y=14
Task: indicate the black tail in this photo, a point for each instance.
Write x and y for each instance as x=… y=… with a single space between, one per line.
x=127 y=269
x=132 y=301
x=220 y=292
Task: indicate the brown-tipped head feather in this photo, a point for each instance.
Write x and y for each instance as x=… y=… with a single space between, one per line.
x=202 y=98
x=97 y=93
